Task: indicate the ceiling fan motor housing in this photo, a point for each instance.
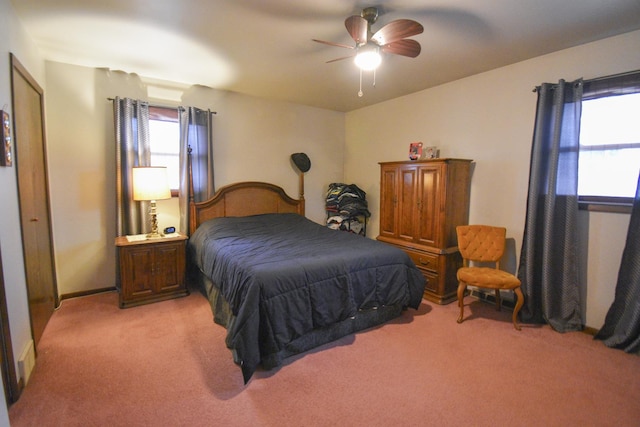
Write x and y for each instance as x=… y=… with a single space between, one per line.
x=370 y=14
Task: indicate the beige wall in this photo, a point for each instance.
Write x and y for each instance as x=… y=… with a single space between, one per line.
x=489 y=118
x=14 y=39
x=253 y=139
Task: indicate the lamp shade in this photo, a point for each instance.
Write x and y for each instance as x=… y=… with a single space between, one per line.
x=150 y=183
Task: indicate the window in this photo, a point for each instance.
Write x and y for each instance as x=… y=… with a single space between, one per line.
x=164 y=137
x=609 y=160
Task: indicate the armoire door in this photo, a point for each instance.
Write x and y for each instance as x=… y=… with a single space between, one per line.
x=408 y=219
x=430 y=205
x=388 y=202
x=398 y=212
x=33 y=194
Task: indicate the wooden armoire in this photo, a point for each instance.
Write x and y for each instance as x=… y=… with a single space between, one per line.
x=421 y=203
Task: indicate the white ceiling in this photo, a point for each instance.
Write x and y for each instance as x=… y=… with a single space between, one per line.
x=264 y=47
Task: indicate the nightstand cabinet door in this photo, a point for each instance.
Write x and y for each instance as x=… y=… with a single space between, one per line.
x=136 y=268
x=151 y=270
x=169 y=267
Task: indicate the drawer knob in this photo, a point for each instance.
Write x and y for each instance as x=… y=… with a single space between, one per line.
x=425 y=261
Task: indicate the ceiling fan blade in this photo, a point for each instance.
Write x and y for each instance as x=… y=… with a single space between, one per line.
x=397 y=30
x=340 y=59
x=357 y=27
x=404 y=47
x=333 y=44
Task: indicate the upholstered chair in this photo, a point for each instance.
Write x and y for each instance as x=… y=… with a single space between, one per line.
x=482 y=245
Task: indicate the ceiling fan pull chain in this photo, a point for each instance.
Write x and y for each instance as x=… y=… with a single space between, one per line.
x=360 y=91
x=374 y=78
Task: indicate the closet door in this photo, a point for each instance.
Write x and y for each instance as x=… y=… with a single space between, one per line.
x=33 y=190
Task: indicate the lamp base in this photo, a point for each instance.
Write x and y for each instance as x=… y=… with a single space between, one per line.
x=154 y=234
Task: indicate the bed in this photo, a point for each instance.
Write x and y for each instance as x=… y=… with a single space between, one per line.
x=282 y=284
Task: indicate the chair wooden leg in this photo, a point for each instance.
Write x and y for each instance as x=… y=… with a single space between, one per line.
x=498 y=300
x=519 y=304
x=462 y=288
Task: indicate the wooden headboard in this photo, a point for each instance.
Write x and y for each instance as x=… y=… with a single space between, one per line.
x=243 y=199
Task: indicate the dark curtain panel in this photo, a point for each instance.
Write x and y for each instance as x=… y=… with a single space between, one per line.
x=195 y=134
x=622 y=324
x=131 y=123
x=549 y=258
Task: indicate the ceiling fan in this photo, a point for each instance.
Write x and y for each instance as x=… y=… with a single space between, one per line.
x=391 y=38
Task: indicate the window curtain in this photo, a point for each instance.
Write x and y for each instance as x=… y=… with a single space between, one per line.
x=195 y=136
x=622 y=324
x=131 y=121
x=548 y=265
x=621 y=327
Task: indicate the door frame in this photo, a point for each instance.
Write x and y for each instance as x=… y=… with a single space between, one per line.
x=7 y=365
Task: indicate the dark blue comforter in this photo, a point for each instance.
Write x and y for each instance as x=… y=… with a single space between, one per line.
x=284 y=276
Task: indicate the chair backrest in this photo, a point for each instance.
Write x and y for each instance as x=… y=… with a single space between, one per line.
x=482 y=243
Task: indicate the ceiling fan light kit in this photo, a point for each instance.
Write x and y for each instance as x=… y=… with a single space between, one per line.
x=368 y=57
x=369 y=46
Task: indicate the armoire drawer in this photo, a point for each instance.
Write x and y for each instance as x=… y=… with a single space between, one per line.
x=423 y=260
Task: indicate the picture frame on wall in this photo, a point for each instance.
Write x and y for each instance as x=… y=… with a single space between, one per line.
x=6 y=158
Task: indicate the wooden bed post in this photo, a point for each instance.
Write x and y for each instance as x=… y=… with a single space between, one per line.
x=302 y=164
x=301 y=194
x=301 y=187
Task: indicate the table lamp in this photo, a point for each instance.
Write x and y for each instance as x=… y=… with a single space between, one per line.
x=150 y=183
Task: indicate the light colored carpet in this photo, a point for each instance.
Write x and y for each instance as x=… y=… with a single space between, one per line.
x=166 y=364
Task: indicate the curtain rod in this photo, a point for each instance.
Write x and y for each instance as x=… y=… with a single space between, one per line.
x=163 y=106
x=577 y=82
x=613 y=76
x=597 y=79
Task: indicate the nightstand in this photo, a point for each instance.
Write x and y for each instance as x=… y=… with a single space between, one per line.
x=151 y=270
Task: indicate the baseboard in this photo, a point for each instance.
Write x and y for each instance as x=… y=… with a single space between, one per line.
x=26 y=362
x=591 y=331
x=86 y=293
x=490 y=297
